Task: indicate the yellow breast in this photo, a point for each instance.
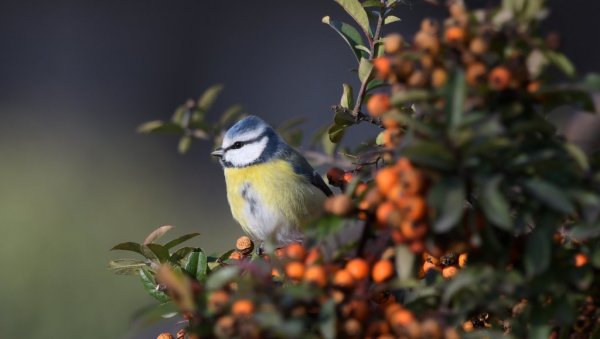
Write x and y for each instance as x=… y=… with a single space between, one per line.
x=282 y=200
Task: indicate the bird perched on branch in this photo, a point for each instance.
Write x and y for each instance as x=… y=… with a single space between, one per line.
x=272 y=190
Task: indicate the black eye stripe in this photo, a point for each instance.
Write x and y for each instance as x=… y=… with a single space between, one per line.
x=240 y=144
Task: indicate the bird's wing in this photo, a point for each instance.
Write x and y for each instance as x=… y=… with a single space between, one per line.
x=302 y=167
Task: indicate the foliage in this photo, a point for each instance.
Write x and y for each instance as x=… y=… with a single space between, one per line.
x=473 y=213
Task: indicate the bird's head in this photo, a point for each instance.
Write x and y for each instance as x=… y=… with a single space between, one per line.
x=250 y=141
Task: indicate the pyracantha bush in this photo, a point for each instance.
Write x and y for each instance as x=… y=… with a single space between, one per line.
x=467 y=215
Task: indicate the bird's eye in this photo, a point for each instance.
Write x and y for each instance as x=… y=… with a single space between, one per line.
x=237 y=144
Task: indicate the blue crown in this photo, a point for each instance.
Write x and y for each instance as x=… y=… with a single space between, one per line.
x=249 y=123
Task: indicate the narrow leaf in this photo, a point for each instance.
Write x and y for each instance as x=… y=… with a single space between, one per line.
x=150 y=286
x=159 y=251
x=495 y=206
x=357 y=12
x=538 y=250
x=207 y=99
x=456 y=98
x=126 y=266
x=405 y=261
x=157 y=233
x=391 y=19
x=447 y=197
x=128 y=246
x=221 y=277
x=336 y=133
x=158 y=126
x=191 y=265
x=549 y=195
x=365 y=69
x=349 y=34
x=184 y=144
x=180 y=240
x=347 y=100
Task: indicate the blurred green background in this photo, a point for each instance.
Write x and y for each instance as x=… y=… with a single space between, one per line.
x=77 y=78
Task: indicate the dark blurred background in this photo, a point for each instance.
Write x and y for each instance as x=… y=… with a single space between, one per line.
x=77 y=77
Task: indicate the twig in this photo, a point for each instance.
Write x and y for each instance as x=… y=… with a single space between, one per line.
x=363 y=85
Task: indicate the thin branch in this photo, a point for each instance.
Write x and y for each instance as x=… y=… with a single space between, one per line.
x=373 y=44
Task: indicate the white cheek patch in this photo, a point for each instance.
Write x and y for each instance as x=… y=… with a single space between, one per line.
x=247 y=154
x=241 y=137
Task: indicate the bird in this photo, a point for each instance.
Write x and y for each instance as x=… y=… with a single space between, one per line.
x=272 y=190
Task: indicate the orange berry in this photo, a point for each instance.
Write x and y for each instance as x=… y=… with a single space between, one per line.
x=467 y=326
x=533 y=87
x=217 y=301
x=408 y=230
x=382 y=66
x=398 y=237
x=428 y=266
x=462 y=259
x=430 y=26
x=275 y=273
x=417 y=247
x=244 y=245
x=417 y=79
x=316 y=275
x=165 y=336
x=242 y=307
x=412 y=181
x=390 y=137
x=580 y=260
x=335 y=176
x=413 y=208
x=439 y=77
x=378 y=104
x=358 y=268
x=499 y=78
x=236 y=255
x=295 y=251
x=348 y=176
x=449 y=272
x=403 y=164
x=360 y=189
x=280 y=252
x=401 y=318
x=339 y=205
x=386 y=178
x=455 y=34
x=382 y=271
x=314 y=256
x=343 y=278
x=294 y=270
x=475 y=73
x=392 y=43
x=478 y=46
x=390 y=123
x=383 y=212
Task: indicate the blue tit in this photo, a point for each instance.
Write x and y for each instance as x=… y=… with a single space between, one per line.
x=272 y=190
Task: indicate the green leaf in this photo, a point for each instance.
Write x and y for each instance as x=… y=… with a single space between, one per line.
x=157 y=233
x=561 y=62
x=328 y=320
x=375 y=84
x=202 y=270
x=221 y=277
x=150 y=286
x=365 y=69
x=126 y=266
x=349 y=34
x=460 y=282
x=180 y=240
x=591 y=82
x=181 y=253
x=405 y=261
x=184 y=144
x=578 y=155
x=429 y=154
x=159 y=251
x=157 y=126
x=553 y=98
x=391 y=19
x=379 y=139
x=585 y=232
x=208 y=98
x=347 y=100
x=336 y=133
x=447 y=197
x=191 y=263
x=372 y=3
x=549 y=195
x=406 y=98
x=457 y=93
x=357 y=12
x=232 y=113
x=538 y=250
x=495 y=206
x=128 y=246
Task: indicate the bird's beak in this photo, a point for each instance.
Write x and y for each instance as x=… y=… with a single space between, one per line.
x=217 y=153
